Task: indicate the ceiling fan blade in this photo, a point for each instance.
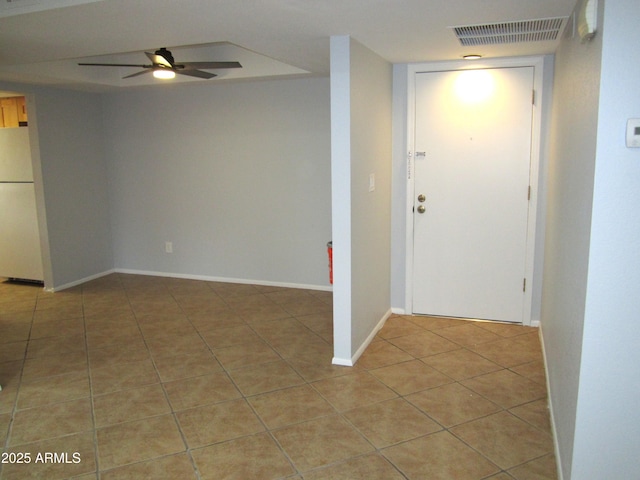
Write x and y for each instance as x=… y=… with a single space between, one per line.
x=158 y=59
x=208 y=65
x=196 y=73
x=115 y=65
x=142 y=72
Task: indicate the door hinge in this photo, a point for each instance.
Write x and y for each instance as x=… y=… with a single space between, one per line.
x=533 y=97
x=529 y=193
x=524 y=285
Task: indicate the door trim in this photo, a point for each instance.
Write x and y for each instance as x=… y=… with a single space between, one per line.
x=535 y=231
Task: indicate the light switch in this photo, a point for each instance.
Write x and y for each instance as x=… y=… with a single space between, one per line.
x=633 y=133
x=372 y=182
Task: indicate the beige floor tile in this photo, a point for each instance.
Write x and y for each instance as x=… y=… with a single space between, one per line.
x=318 y=366
x=533 y=371
x=468 y=335
x=321 y=442
x=184 y=366
x=260 y=313
x=506 y=388
x=8 y=397
x=51 y=421
x=131 y=350
x=390 y=422
x=246 y=354
x=60 y=313
x=306 y=306
x=237 y=460
x=505 y=439
x=56 y=389
x=76 y=456
x=399 y=326
x=175 y=344
x=410 y=377
x=439 y=456
x=424 y=344
x=173 y=467
x=42 y=347
x=121 y=376
x=500 y=476
x=223 y=380
x=320 y=323
x=509 y=352
x=218 y=422
x=10 y=372
x=228 y=336
x=5 y=420
x=289 y=406
x=113 y=336
x=434 y=323
x=136 y=441
x=536 y=413
x=128 y=405
x=367 y=467
x=265 y=377
x=58 y=328
x=13 y=351
x=543 y=468
x=15 y=330
x=55 y=365
x=461 y=364
x=274 y=330
x=110 y=322
x=381 y=354
x=290 y=346
x=350 y=391
x=505 y=330
x=203 y=390
x=452 y=404
x=219 y=319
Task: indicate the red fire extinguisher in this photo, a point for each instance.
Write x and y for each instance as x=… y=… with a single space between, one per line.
x=330 y=252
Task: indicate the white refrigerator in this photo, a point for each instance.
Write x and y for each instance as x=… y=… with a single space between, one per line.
x=20 y=253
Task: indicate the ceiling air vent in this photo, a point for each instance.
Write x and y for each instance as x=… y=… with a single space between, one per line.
x=546 y=29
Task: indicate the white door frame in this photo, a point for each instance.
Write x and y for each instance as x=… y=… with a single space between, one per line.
x=536 y=136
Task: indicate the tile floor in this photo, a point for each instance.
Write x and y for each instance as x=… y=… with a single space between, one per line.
x=134 y=377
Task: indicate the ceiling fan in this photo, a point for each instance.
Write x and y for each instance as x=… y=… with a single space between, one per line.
x=164 y=66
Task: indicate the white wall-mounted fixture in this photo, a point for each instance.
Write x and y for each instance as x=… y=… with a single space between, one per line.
x=587 y=20
x=473 y=56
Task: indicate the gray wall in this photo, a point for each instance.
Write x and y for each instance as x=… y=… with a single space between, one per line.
x=570 y=192
x=236 y=176
x=591 y=279
x=607 y=417
x=361 y=145
x=66 y=133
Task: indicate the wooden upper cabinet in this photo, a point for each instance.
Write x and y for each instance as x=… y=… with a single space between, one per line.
x=14 y=112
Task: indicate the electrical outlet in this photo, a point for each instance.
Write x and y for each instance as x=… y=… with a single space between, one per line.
x=168 y=247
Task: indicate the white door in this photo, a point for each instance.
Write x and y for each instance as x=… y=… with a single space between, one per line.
x=472 y=162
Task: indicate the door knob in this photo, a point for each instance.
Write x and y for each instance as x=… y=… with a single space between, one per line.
x=421 y=198
x=421 y=209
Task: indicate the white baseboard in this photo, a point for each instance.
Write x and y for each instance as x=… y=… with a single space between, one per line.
x=549 y=396
x=205 y=278
x=79 y=282
x=350 y=362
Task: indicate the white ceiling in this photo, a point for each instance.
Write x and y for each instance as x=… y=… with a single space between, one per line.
x=41 y=41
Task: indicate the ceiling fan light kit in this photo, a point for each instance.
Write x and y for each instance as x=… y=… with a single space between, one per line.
x=164 y=66
x=164 y=73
